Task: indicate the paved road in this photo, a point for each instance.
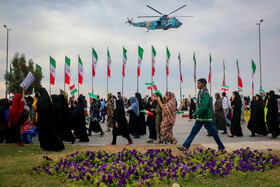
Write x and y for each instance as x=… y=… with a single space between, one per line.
x=181 y=131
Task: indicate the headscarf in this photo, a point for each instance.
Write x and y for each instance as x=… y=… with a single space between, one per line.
x=135 y=105
x=218 y=103
x=44 y=101
x=169 y=109
x=16 y=109
x=140 y=101
x=237 y=100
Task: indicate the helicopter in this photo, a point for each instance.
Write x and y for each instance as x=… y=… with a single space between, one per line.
x=164 y=22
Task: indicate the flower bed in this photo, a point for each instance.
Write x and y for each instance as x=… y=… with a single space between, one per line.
x=156 y=166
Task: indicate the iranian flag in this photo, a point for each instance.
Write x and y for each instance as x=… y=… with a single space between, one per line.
x=149 y=85
x=91 y=96
x=94 y=61
x=153 y=61
x=181 y=77
x=140 y=58
x=262 y=92
x=109 y=62
x=210 y=70
x=73 y=89
x=254 y=67
x=240 y=84
x=167 y=61
x=147 y=112
x=225 y=88
x=67 y=70
x=124 y=61
x=194 y=60
x=52 y=70
x=194 y=100
x=81 y=70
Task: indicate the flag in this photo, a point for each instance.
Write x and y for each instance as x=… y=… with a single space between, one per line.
x=149 y=85
x=194 y=60
x=91 y=96
x=147 y=112
x=81 y=71
x=262 y=92
x=194 y=100
x=225 y=88
x=67 y=70
x=11 y=69
x=240 y=84
x=224 y=71
x=109 y=62
x=154 y=87
x=39 y=68
x=167 y=61
x=153 y=61
x=124 y=61
x=254 y=67
x=181 y=77
x=210 y=70
x=94 y=61
x=73 y=89
x=52 y=70
x=140 y=57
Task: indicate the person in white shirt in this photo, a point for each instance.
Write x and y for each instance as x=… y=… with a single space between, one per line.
x=226 y=107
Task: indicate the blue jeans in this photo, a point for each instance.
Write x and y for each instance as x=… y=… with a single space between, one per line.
x=210 y=128
x=227 y=120
x=27 y=137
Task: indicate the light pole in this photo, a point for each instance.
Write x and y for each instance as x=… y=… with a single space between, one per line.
x=260 y=59
x=7 y=56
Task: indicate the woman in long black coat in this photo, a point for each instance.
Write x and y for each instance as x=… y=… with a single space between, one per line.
x=61 y=117
x=142 y=115
x=120 y=123
x=80 y=121
x=151 y=119
x=256 y=123
x=236 y=104
x=272 y=115
x=134 y=126
x=48 y=135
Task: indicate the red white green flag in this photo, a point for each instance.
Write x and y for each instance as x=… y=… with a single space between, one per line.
x=91 y=95
x=67 y=70
x=147 y=112
x=52 y=70
x=124 y=61
x=225 y=88
x=240 y=84
x=109 y=62
x=73 y=89
x=140 y=58
x=210 y=70
x=153 y=61
x=81 y=71
x=167 y=61
x=194 y=74
x=181 y=77
x=94 y=61
x=149 y=85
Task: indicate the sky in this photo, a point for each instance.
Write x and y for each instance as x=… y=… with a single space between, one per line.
x=226 y=29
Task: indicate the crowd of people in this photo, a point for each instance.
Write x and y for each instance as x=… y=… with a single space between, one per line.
x=58 y=120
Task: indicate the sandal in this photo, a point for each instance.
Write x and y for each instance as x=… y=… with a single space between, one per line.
x=183 y=149
x=130 y=143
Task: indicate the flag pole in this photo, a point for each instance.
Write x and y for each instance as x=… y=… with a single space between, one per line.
x=78 y=79
x=107 y=73
x=210 y=76
x=122 y=73
x=137 y=83
x=64 y=75
x=237 y=76
x=166 y=71
x=180 y=76
x=252 y=81
x=92 y=72
x=50 y=79
x=152 y=71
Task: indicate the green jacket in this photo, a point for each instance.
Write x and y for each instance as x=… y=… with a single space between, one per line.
x=205 y=111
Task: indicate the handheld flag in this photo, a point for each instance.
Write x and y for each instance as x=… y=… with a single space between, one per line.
x=147 y=112
x=91 y=96
x=225 y=88
x=73 y=89
x=149 y=85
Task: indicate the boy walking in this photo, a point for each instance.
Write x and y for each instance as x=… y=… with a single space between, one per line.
x=204 y=117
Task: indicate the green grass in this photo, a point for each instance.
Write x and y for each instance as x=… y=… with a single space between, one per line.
x=17 y=162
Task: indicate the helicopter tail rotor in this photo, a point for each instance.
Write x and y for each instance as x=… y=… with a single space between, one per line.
x=129 y=21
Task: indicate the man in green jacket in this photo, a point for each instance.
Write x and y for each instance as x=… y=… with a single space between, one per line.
x=204 y=117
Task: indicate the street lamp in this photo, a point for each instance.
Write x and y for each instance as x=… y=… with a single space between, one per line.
x=7 y=57
x=259 y=24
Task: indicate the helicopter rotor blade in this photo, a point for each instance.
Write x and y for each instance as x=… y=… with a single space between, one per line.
x=184 y=16
x=155 y=10
x=148 y=16
x=176 y=10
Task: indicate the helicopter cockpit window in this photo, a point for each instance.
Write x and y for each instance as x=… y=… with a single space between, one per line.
x=159 y=23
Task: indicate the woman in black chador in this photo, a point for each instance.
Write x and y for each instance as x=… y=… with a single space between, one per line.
x=236 y=104
x=142 y=115
x=256 y=123
x=120 y=123
x=48 y=136
x=151 y=120
x=61 y=117
x=272 y=115
x=80 y=121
